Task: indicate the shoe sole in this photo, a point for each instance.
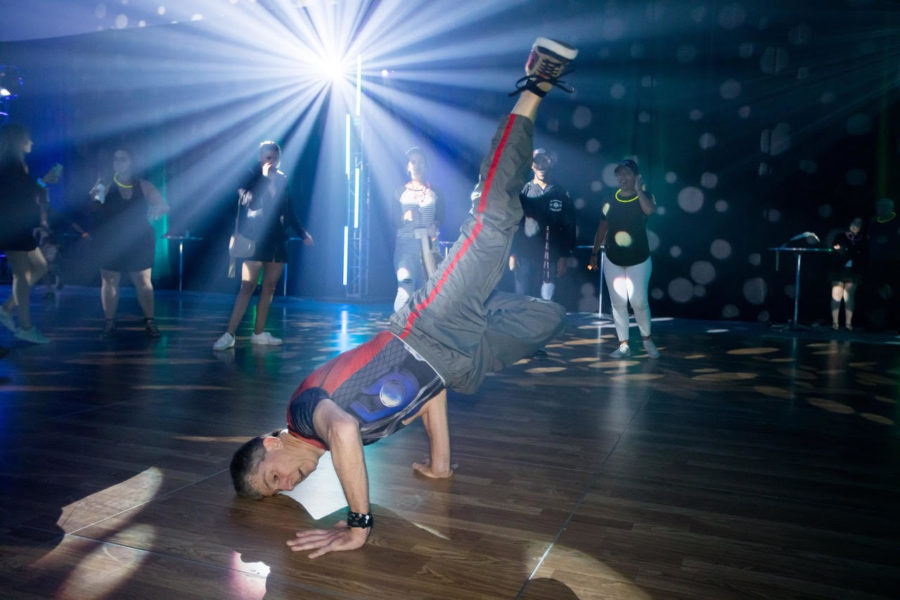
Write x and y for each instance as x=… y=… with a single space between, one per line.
x=559 y=49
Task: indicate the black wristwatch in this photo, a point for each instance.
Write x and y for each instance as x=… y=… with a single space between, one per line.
x=364 y=521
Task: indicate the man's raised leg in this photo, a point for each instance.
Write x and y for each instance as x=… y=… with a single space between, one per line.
x=446 y=319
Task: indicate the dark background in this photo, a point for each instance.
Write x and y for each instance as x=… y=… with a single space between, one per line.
x=752 y=122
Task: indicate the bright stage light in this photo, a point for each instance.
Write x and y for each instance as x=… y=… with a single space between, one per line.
x=4 y=93
x=332 y=68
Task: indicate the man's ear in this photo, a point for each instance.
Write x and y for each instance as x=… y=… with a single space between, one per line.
x=271 y=443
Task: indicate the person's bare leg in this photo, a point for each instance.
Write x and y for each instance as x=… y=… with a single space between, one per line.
x=143 y=286
x=837 y=292
x=27 y=267
x=271 y=274
x=109 y=293
x=527 y=105
x=849 y=304
x=249 y=277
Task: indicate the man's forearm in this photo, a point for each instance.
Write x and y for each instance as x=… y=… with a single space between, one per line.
x=350 y=466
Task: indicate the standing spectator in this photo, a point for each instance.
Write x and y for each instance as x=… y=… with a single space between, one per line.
x=546 y=236
x=20 y=199
x=265 y=215
x=419 y=212
x=124 y=238
x=846 y=273
x=626 y=262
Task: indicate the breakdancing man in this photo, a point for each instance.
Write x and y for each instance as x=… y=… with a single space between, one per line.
x=449 y=334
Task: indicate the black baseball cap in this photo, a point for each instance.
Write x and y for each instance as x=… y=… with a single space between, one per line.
x=627 y=162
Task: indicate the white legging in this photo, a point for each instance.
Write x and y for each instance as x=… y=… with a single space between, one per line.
x=629 y=284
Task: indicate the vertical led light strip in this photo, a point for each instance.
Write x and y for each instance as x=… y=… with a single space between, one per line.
x=346 y=248
x=358 y=82
x=347 y=149
x=356 y=201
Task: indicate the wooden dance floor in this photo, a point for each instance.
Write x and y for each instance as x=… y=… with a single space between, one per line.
x=744 y=463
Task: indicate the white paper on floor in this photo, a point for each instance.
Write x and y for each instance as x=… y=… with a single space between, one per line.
x=320 y=493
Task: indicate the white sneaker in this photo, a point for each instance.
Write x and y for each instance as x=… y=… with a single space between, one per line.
x=621 y=352
x=6 y=320
x=32 y=335
x=265 y=339
x=652 y=350
x=225 y=342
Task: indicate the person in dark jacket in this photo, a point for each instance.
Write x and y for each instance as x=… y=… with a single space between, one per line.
x=546 y=236
x=265 y=216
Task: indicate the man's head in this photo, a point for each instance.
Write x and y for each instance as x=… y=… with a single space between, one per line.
x=884 y=207
x=416 y=163
x=542 y=164
x=269 y=153
x=626 y=172
x=267 y=465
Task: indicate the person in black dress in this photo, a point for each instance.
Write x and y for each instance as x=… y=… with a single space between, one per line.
x=846 y=272
x=265 y=215
x=20 y=195
x=124 y=239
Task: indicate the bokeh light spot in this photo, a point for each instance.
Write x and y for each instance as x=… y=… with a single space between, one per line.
x=623 y=239
x=709 y=180
x=720 y=249
x=652 y=240
x=582 y=117
x=755 y=290
x=703 y=272
x=690 y=199
x=730 y=89
x=732 y=16
x=681 y=290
